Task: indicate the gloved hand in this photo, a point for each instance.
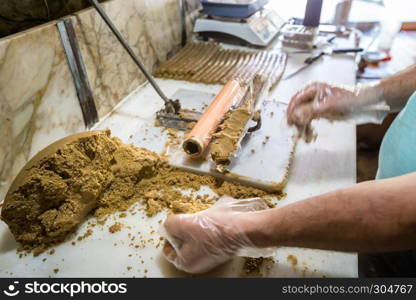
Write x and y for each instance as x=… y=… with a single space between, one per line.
x=199 y=242
x=324 y=100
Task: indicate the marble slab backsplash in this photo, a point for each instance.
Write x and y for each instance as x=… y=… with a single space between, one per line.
x=38 y=100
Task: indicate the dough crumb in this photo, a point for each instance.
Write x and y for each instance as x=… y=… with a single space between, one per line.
x=85 y=235
x=292 y=259
x=116 y=227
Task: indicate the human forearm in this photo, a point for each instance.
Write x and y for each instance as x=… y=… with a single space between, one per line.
x=325 y=100
x=368 y=217
x=395 y=90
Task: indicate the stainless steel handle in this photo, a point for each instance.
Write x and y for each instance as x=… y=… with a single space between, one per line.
x=110 y=24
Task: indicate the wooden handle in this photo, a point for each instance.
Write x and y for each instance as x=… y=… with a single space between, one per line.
x=200 y=136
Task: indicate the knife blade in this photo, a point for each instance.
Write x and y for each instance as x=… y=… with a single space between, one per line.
x=307 y=62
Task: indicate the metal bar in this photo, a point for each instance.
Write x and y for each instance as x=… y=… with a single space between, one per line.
x=79 y=74
x=110 y=24
x=183 y=7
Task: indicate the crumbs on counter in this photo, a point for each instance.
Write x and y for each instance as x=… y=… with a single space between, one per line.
x=85 y=235
x=254 y=266
x=112 y=176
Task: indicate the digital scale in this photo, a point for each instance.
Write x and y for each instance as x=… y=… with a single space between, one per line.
x=247 y=21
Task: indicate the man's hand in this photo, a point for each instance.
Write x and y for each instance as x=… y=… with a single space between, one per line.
x=199 y=242
x=324 y=100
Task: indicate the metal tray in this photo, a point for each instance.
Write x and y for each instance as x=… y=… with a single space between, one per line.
x=232 y=9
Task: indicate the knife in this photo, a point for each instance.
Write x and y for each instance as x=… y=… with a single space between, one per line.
x=311 y=59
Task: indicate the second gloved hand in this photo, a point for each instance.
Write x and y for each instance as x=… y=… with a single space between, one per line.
x=199 y=242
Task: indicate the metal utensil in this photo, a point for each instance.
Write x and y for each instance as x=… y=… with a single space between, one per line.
x=172 y=107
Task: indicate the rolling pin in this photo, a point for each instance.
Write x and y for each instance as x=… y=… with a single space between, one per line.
x=198 y=139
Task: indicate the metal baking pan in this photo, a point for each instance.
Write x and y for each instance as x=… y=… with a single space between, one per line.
x=238 y=9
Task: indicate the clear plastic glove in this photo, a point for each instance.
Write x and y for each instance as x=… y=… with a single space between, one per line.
x=196 y=243
x=363 y=103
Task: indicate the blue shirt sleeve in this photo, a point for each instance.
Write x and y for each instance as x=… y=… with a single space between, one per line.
x=398 y=150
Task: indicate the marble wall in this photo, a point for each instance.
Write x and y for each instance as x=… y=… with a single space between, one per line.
x=38 y=101
x=152 y=29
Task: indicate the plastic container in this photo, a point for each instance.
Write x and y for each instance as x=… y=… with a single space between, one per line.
x=238 y=9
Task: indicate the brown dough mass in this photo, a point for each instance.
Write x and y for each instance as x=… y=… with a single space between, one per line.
x=226 y=140
x=60 y=190
x=231 y=130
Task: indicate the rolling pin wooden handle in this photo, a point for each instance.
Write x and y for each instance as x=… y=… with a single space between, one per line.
x=200 y=136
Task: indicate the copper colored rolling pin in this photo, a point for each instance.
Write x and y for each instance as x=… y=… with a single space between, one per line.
x=198 y=139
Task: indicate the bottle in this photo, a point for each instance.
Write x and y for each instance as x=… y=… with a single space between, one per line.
x=390 y=26
x=342 y=12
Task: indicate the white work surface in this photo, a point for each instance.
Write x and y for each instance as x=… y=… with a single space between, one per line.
x=264 y=168
x=325 y=165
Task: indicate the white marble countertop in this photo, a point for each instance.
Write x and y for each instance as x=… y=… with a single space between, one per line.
x=325 y=165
